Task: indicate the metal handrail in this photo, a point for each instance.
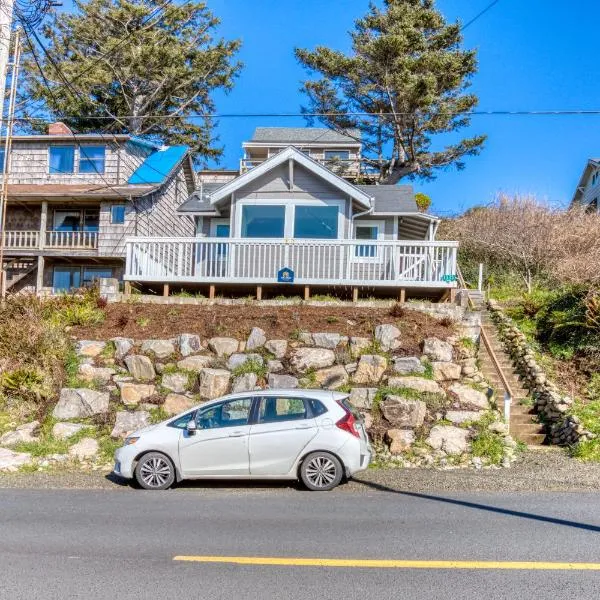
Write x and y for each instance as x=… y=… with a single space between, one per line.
x=508 y=393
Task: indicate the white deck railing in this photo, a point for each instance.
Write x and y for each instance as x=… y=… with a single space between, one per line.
x=55 y=240
x=257 y=261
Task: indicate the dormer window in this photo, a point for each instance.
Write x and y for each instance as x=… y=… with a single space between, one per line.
x=91 y=159
x=61 y=159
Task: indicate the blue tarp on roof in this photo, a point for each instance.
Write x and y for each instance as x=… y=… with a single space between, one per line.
x=159 y=165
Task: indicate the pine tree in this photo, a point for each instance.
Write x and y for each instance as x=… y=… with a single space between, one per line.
x=148 y=63
x=408 y=73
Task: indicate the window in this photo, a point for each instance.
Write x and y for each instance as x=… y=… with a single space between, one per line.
x=2 y=157
x=234 y=413
x=91 y=219
x=182 y=422
x=91 y=159
x=273 y=410
x=67 y=220
x=366 y=230
x=317 y=408
x=61 y=159
x=263 y=221
x=92 y=274
x=316 y=222
x=117 y=214
x=334 y=155
x=66 y=278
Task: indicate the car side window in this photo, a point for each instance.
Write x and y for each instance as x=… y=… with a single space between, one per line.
x=181 y=422
x=317 y=408
x=234 y=413
x=273 y=409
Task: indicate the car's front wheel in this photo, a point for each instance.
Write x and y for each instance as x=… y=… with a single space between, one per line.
x=155 y=471
x=321 y=471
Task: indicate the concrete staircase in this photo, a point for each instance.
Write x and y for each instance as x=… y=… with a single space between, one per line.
x=17 y=269
x=524 y=424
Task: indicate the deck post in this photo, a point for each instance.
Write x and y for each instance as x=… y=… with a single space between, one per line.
x=43 y=224
x=39 y=276
x=259 y=292
x=355 y=294
x=453 y=293
x=127 y=288
x=402 y=295
x=211 y=292
x=306 y=292
x=166 y=289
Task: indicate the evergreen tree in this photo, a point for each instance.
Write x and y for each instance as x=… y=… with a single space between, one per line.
x=408 y=73
x=149 y=63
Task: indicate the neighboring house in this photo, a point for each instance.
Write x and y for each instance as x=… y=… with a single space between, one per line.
x=290 y=215
x=73 y=200
x=587 y=192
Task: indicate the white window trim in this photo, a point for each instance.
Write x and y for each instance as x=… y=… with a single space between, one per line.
x=380 y=236
x=290 y=205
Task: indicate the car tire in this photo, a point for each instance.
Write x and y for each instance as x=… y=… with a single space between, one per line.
x=155 y=471
x=321 y=471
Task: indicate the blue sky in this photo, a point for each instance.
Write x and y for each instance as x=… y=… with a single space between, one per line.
x=533 y=55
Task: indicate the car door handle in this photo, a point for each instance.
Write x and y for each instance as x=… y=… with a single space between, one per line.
x=236 y=434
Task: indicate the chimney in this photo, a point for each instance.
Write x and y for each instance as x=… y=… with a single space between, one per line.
x=59 y=129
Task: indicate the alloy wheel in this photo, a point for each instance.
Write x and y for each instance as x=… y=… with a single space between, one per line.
x=155 y=472
x=321 y=471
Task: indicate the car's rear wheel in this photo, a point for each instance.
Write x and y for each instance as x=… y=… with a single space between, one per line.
x=321 y=471
x=155 y=471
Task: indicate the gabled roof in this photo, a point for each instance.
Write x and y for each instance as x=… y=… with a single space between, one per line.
x=159 y=165
x=199 y=202
x=591 y=164
x=360 y=196
x=304 y=135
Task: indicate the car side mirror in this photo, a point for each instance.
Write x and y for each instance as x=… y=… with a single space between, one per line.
x=191 y=427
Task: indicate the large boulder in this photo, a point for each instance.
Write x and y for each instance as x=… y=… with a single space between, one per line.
x=438 y=350
x=176 y=403
x=128 y=422
x=332 y=378
x=359 y=344
x=282 y=382
x=457 y=417
x=362 y=398
x=122 y=346
x=408 y=365
x=101 y=375
x=140 y=367
x=89 y=348
x=188 y=343
x=238 y=359
x=387 y=335
x=452 y=440
x=245 y=383
x=329 y=340
x=275 y=366
x=400 y=439
x=86 y=448
x=63 y=431
x=278 y=348
x=175 y=382
x=195 y=363
x=213 y=383
x=403 y=412
x=467 y=395
x=23 y=433
x=256 y=339
x=79 y=403
x=134 y=393
x=371 y=368
x=445 y=371
x=223 y=346
x=304 y=359
x=11 y=461
x=160 y=348
x=419 y=384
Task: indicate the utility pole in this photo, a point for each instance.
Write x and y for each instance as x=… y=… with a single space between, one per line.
x=6 y=16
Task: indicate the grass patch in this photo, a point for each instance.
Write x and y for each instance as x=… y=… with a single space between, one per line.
x=158 y=415
x=251 y=366
x=309 y=379
x=488 y=445
x=434 y=402
x=587 y=450
x=428 y=373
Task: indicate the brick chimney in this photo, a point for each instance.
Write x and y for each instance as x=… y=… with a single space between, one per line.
x=59 y=129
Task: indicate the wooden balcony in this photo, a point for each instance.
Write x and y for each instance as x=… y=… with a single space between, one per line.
x=397 y=263
x=50 y=240
x=349 y=168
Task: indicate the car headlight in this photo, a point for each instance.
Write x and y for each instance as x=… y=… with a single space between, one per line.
x=130 y=440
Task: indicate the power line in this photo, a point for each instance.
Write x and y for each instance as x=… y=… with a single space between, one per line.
x=480 y=14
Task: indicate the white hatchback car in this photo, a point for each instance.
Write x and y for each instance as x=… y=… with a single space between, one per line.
x=314 y=435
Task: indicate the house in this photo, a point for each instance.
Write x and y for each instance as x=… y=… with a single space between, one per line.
x=74 y=199
x=291 y=219
x=587 y=192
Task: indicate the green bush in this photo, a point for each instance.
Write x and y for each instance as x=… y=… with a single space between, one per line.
x=488 y=445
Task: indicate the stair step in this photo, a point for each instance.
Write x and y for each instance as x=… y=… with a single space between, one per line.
x=531 y=439
x=522 y=419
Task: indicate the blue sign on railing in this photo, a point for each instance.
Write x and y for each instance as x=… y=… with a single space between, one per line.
x=285 y=275
x=449 y=278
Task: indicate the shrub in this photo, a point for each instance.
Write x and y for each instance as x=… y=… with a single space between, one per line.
x=488 y=445
x=423 y=201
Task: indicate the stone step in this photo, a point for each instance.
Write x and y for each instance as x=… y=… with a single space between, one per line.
x=518 y=429
x=531 y=439
x=522 y=418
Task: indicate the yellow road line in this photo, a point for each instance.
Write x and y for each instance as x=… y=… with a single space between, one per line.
x=392 y=564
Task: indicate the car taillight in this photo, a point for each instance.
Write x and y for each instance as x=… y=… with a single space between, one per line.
x=347 y=422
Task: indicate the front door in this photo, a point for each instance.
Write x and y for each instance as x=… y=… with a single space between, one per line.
x=219 y=446
x=284 y=429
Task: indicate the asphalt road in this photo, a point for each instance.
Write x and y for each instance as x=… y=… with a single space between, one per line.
x=105 y=544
